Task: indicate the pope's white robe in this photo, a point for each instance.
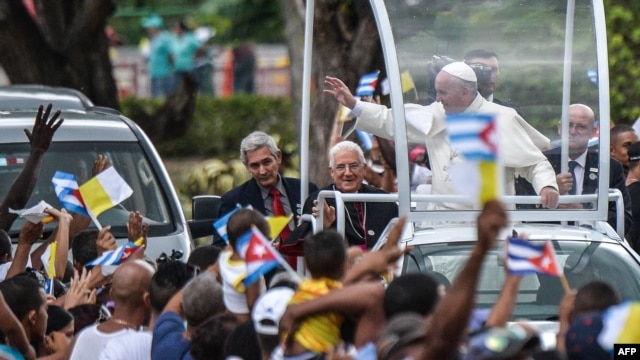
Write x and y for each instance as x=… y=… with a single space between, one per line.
x=520 y=145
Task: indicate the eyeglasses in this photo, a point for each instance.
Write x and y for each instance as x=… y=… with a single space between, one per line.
x=342 y=167
x=578 y=127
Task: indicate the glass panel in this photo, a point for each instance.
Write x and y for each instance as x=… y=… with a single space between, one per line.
x=78 y=158
x=538 y=295
x=526 y=75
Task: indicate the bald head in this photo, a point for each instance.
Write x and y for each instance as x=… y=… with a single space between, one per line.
x=581 y=128
x=130 y=282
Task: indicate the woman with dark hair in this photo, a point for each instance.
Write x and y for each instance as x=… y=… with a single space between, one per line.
x=60 y=330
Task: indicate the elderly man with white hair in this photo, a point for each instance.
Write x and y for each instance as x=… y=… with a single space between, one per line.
x=456 y=92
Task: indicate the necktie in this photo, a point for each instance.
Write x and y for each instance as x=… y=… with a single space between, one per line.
x=278 y=210
x=572 y=168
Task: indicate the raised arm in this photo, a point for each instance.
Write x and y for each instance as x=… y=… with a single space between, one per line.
x=378 y=262
x=503 y=308
x=61 y=235
x=29 y=234
x=40 y=139
x=62 y=239
x=450 y=318
x=340 y=91
x=137 y=232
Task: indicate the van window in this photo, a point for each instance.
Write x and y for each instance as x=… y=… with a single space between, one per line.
x=78 y=158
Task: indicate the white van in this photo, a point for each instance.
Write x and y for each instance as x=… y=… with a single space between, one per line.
x=84 y=134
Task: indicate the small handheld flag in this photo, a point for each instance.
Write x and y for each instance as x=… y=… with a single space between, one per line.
x=620 y=325
x=407 y=81
x=474 y=137
x=258 y=253
x=524 y=257
x=104 y=191
x=277 y=224
x=117 y=256
x=66 y=187
x=367 y=84
x=366 y=139
x=51 y=263
x=220 y=225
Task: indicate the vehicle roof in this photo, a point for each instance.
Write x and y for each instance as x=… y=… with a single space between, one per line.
x=85 y=125
x=31 y=96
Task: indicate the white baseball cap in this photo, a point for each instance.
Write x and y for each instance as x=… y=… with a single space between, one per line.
x=269 y=308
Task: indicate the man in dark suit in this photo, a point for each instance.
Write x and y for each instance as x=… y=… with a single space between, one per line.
x=486 y=65
x=364 y=221
x=582 y=177
x=262 y=158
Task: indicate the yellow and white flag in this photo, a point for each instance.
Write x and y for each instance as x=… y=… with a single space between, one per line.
x=104 y=191
x=474 y=137
x=277 y=224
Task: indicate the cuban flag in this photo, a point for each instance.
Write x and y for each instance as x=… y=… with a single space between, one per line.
x=524 y=257
x=474 y=138
x=367 y=84
x=116 y=257
x=366 y=139
x=220 y=225
x=66 y=187
x=258 y=254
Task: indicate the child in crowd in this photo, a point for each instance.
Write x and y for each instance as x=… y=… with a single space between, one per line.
x=232 y=269
x=325 y=255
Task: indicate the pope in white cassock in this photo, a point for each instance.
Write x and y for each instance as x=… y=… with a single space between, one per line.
x=520 y=144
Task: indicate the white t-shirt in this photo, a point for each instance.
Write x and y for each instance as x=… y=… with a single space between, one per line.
x=4 y=268
x=91 y=342
x=134 y=346
x=233 y=273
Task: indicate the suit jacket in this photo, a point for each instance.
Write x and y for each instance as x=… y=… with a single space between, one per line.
x=590 y=182
x=249 y=194
x=378 y=216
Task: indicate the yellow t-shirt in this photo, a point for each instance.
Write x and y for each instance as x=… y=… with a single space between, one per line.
x=318 y=333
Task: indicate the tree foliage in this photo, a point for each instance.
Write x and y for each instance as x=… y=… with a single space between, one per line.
x=62 y=43
x=345 y=45
x=623 y=37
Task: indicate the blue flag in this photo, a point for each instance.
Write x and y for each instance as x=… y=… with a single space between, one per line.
x=367 y=84
x=220 y=225
x=66 y=187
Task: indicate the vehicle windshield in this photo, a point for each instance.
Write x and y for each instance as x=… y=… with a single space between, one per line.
x=539 y=295
x=78 y=158
x=528 y=56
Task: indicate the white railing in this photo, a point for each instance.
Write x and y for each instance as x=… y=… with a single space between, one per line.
x=534 y=215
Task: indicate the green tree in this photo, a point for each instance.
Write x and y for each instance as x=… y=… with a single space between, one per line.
x=624 y=59
x=346 y=45
x=61 y=43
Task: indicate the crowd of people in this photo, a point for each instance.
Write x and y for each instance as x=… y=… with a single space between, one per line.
x=179 y=52
x=349 y=306
x=172 y=55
